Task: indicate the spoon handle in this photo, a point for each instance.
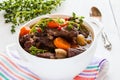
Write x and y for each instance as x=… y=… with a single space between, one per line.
x=107 y=43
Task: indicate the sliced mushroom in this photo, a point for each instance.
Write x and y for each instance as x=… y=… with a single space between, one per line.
x=60 y=53
x=81 y=40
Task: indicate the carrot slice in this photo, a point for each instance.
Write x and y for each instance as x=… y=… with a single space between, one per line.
x=53 y=24
x=61 y=43
x=24 y=31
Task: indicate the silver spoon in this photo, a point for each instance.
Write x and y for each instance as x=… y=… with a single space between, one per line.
x=97 y=14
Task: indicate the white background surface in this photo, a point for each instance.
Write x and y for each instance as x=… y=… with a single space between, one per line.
x=116 y=10
x=82 y=7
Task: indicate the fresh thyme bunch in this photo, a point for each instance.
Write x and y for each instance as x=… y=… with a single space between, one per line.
x=19 y=11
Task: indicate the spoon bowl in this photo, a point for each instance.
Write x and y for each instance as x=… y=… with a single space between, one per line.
x=95 y=12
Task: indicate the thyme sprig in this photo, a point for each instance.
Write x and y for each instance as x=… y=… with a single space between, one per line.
x=20 y=11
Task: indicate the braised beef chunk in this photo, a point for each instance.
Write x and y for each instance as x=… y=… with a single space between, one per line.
x=46 y=42
x=43 y=39
x=24 y=38
x=67 y=34
x=75 y=51
x=27 y=45
x=38 y=34
x=26 y=41
x=46 y=55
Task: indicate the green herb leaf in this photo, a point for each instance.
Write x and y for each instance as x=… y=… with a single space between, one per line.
x=13 y=29
x=70 y=27
x=42 y=23
x=81 y=19
x=74 y=15
x=34 y=50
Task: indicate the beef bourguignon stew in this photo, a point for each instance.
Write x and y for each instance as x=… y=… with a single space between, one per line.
x=56 y=38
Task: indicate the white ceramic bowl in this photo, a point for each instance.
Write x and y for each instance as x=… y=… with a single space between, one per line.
x=59 y=69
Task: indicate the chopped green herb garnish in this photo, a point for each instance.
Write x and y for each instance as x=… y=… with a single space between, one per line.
x=70 y=27
x=81 y=19
x=33 y=30
x=74 y=15
x=75 y=20
x=59 y=20
x=34 y=50
x=72 y=24
x=42 y=23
